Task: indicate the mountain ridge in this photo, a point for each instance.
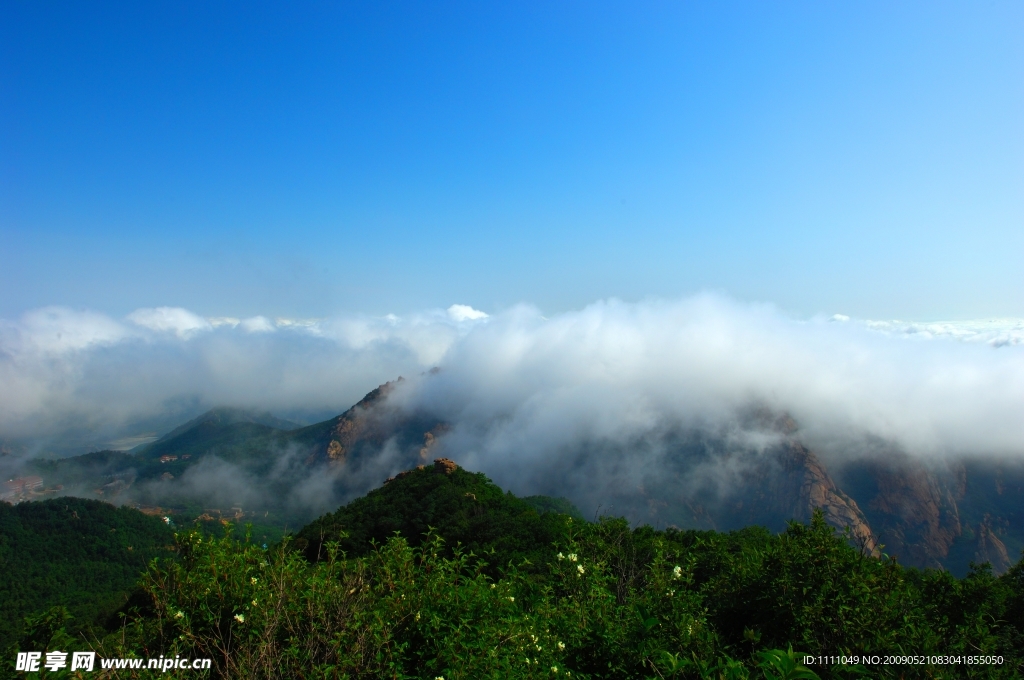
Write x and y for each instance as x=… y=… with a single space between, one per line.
x=926 y=516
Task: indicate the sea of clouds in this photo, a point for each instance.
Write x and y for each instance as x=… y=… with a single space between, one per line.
x=519 y=386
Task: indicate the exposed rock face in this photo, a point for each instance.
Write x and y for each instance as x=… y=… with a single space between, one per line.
x=818 y=490
x=791 y=483
x=445 y=466
x=988 y=548
x=913 y=511
x=363 y=430
x=403 y=473
x=355 y=424
x=335 y=451
x=430 y=440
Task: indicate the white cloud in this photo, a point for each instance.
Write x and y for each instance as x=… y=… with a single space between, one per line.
x=181 y=322
x=465 y=313
x=523 y=385
x=995 y=332
x=615 y=371
x=258 y=324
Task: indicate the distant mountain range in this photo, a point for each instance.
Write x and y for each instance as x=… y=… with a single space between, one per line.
x=251 y=466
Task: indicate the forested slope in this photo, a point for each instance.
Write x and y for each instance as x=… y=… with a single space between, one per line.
x=440 y=573
x=82 y=554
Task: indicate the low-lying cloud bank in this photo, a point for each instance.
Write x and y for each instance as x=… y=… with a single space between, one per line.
x=519 y=385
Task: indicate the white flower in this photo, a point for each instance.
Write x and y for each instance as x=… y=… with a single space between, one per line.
x=561 y=646
x=493 y=586
x=677 y=572
x=572 y=557
x=240 y=618
x=179 y=615
x=254 y=603
x=417 y=616
x=579 y=568
x=439 y=677
x=554 y=669
x=511 y=599
x=253 y=580
x=560 y=556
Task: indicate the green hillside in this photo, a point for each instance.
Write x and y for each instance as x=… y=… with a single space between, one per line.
x=614 y=601
x=599 y=600
x=81 y=554
x=463 y=508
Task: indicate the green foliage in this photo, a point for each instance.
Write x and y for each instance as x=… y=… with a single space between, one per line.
x=462 y=507
x=78 y=554
x=617 y=603
x=562 y=506
x=574 y=599
x=398 y=612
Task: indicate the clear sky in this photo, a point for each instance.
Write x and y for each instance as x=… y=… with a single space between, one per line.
x=310 y=159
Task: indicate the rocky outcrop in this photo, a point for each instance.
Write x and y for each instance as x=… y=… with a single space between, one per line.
x=357 y=423
x=430 y=440
x=445 y=465
x=711 y=483
x=818 y=490
x=404 y=473
x=989 y=548
x=911 y=508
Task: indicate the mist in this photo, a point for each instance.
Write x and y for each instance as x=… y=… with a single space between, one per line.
x=524 y=391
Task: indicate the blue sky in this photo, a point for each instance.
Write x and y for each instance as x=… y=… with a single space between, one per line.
x=313 y=159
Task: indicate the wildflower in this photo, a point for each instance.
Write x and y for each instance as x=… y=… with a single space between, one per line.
x=439 y=677
x=417 y=616
x=254 y=603
x=572 y=557
x=677 y=572
x=511 y=599
x=253 y=580
x=493 y=586
x=240 y=618
x=554 y=669
x=579 y=568
x=561 y=646
x=560 y=556
x=179 y=614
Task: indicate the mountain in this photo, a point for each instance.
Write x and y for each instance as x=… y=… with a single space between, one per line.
x=555 y=597
x=464 y=508
x=942 y=516
x=217 y=427
x=230 y=464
